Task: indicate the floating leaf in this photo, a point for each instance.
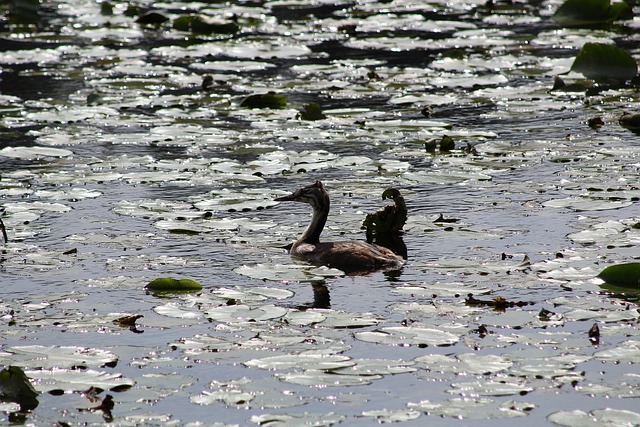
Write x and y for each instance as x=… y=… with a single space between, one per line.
x=475 y=409
x=311 y=111
x=401 y=335
x=32 y=153
x=587 y=13
x=302 y=361
x=389 y=416
x=297 y=420
x=624 y=275
x=16 y=387
x=202 y=24
x=169 y=284
x=628 y=351
x=267 y=100
x=596 y=418
x=53 y=356
x=603 y=62
x=318 y=378
x=78 y=380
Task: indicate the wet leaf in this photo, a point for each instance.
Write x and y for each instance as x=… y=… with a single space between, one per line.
x=595 y=418
x=587 y=13
x=402 y=335
x=628 y=351
x=33 y=153
x=318 y=378
x=202 y=24
x=168 y=284
x=389 y=416
x=245 y=313
x=267 y=100
x=624 y=275
x=302 y=361
x=16 y=387
x=52 y=356
x=604 y=62
x=474 y=409
x=298 y=420
x=78 y=380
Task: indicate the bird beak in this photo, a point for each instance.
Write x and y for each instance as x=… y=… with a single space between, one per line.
x=288 y=198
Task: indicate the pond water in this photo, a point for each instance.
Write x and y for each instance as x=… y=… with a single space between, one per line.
x=117 y=167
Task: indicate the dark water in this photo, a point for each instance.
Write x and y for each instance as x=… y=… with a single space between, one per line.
x=533 y=147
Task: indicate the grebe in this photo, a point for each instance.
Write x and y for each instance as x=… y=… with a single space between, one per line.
x=349 y=256
x=389 y=219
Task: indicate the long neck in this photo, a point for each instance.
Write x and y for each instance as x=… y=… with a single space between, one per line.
x=319 y=219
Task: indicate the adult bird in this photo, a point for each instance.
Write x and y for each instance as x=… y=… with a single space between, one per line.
x=350 y=256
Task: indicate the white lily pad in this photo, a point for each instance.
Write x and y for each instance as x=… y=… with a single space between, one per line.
x=628 y=351
x=595 y=418
x=470 y=363
x=441 y=289
x=377 y=367
x=302 y=361
x=402 y=335
x=178 y=311
x=35 y=152
x=491 y=388
x=286 y=272
x=298 y=420
x=318 y=378
x=52 y=356
x=473 y=409
x=77 y=380
x=245 y=313
x=392 y=416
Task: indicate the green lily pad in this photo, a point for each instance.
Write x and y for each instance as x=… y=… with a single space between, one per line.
x=265 y=100
x=311 y=111
x=201 y=24
x=624 y=275
x=15 y=387
x=171 y=284
x=588 y=13
x=603 y=62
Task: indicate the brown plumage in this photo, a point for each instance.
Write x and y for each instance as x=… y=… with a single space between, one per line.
x=351 y=256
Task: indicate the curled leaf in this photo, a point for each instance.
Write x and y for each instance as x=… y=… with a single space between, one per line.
x=625 y=275
x=603 y=62
x=265 y=100
x=169 y=284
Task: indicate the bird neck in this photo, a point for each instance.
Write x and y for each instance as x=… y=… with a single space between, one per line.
x=319 y=219
x=400 y=203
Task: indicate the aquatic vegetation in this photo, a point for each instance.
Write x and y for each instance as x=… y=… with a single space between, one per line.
x=136 y=143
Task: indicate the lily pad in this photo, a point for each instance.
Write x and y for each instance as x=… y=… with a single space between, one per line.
x=596 y=418
x=587 y=13
x=603 y=62
x=266 y=100
x=169 y=284
x=302 y=361
x=475 y=409
x=202 y=24
x=16 y=387
x=297 y=420
x=624 y=275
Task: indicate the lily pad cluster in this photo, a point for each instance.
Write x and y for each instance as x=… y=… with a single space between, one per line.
x=144 y=153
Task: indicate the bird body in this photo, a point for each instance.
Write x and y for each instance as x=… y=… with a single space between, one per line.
x=389 y=219
x=349 y=256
